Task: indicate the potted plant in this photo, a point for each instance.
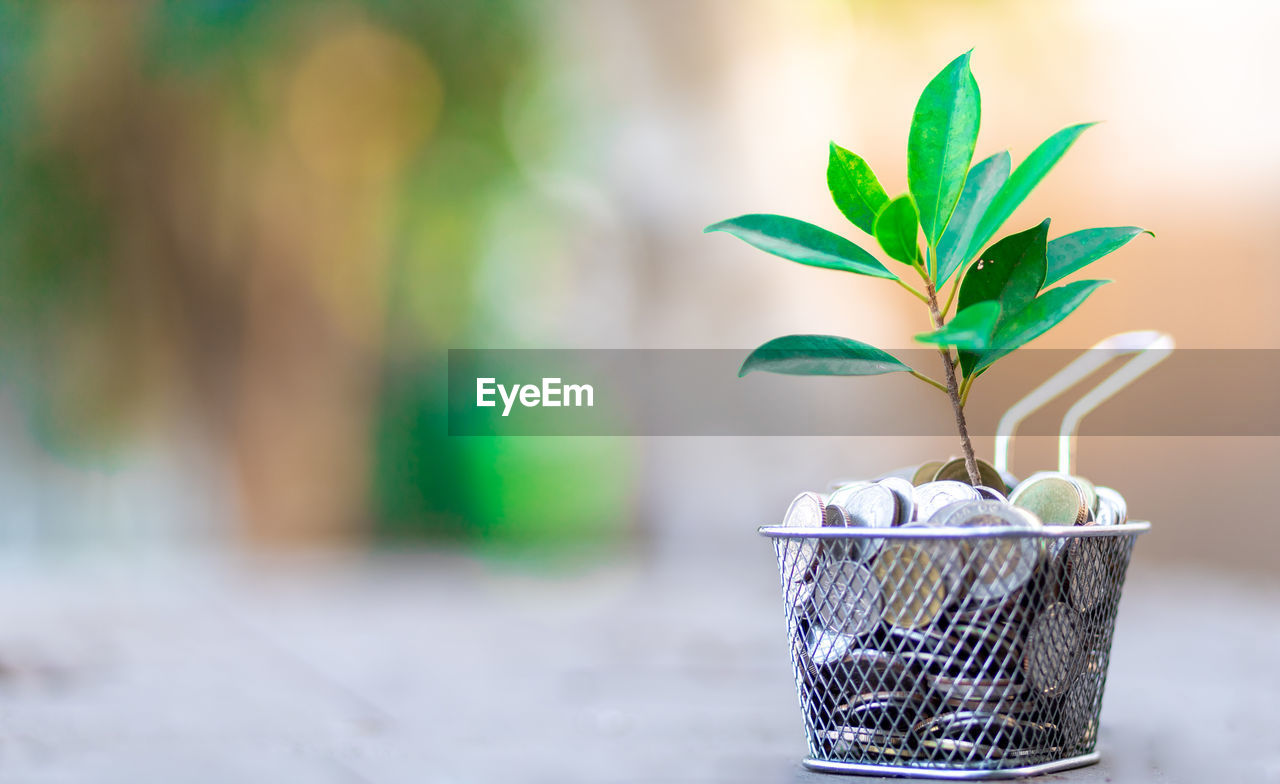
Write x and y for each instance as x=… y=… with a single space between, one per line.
x=940 y=621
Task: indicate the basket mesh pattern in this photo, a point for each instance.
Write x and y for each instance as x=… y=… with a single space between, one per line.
x=961 y=653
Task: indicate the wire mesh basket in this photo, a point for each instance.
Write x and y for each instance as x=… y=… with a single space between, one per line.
x=961 y=652
x=935 y=649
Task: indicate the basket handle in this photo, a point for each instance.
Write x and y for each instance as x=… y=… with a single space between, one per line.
x=1150 y=347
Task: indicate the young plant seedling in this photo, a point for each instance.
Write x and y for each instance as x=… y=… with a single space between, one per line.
x=1004 y=299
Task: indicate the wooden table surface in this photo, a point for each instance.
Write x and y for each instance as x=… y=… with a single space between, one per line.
x=440 y=668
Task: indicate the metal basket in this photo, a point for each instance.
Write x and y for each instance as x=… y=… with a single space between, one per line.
x=961 y=653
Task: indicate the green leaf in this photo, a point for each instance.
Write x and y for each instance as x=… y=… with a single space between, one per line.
x=1024 y=178
x=971 y=328
x=980 y=187
x=896 y=229
x=802 y=242
x=1010 y=272
x=821 y=355
x=1070 y=252
x=944 y=130
x=1044 y=313
x=854 y=188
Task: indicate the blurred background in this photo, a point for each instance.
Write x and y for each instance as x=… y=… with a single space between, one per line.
x=237 y=239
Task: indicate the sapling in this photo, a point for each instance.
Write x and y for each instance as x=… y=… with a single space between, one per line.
x=939 y=230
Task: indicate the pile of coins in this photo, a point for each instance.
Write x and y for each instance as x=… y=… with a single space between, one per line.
x=954 y=647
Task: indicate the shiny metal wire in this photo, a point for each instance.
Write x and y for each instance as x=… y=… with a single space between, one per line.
x=955 y=653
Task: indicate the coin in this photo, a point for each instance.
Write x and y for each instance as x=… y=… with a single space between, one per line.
x=903 y=492
x=951 y=555
x=914 y=584
x=957 y=471
x=974 y=734
x=991 y=494
x=826 y=647
x=1089 y=492
x=847 y=598
x=873 y=506
x=882 y=715
x=1087 y=582
x=804 y=664
x=1055 y=498
x=998 y=693
x=933 y=496
x=1007 y=620
x=985 y=644
x=798 y=555
x=860 y=741
x=838 y=549
x=999 y=566
x=844 y=492
x=1052 y=656
x=924 y=648
x=835 y=517
x=1105 y=514
x=1112 y=503
x=924 y=474
x=1078 y=715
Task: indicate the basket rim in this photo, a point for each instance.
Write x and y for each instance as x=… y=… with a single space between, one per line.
x=955 y=532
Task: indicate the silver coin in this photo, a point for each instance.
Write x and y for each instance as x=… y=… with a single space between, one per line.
x=1106 y=515
x=1114 y=504
x=999 y=567
x=880 y=711
x=873 y=506
x=798 y=556
x=841 y=495
x=1052 y=656
x=903 y=493
x=883 y=696
x=991 y=494
x=835 y=517
x=837 y=549
x=1087 y=579
x=847 y=598
x=931 y=497
x=826 y=647
x=972 y=734
x=992 y=693
x=860 y=741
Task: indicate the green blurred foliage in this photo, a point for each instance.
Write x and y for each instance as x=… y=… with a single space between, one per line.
x=89 y=319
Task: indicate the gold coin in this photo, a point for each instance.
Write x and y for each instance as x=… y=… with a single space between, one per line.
x=913 y=583
x=1055 y=498
x=925 y=472
x=956 y=471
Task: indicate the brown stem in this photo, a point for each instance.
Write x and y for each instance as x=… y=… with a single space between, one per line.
x=953 y=390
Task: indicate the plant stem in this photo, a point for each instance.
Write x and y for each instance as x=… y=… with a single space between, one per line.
x=928 y=380
x=953 y=390
x=955 y=286
x=914 y=293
